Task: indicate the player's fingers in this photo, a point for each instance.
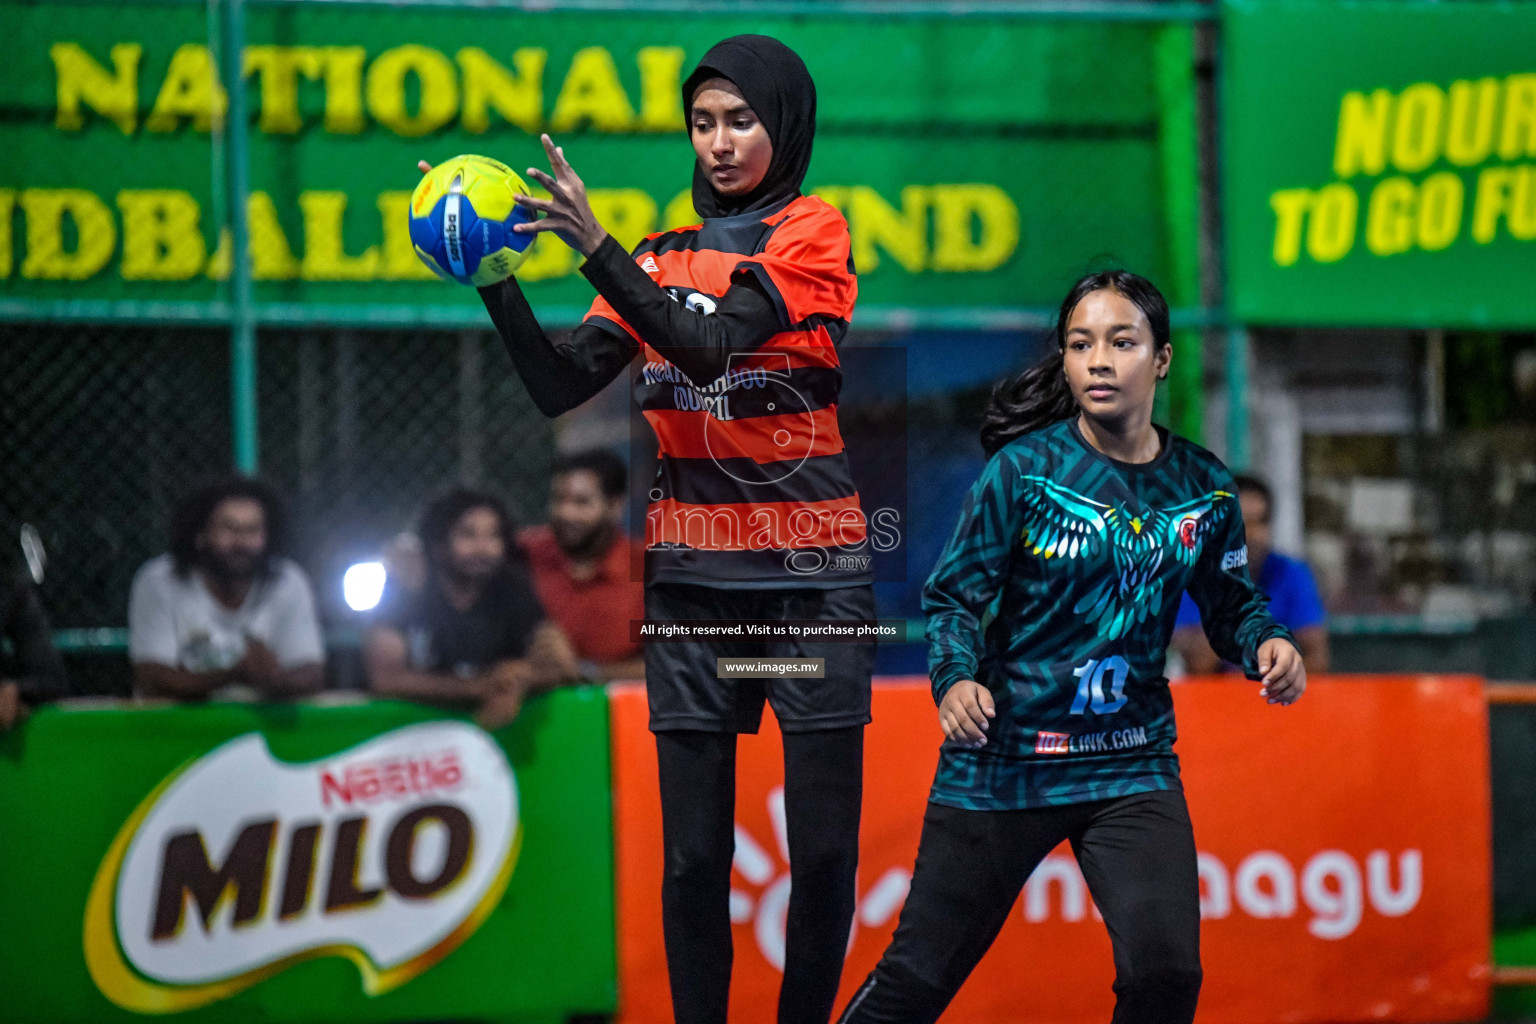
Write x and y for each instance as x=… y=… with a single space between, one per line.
x=557 y=158
x=972 y=708
x=988 y=705
x=554 y=187
x=1286 y=688
x=967 y=726
x=568 y=173
x=533 y=227
x=423 y=167
x=534 y=203
x=1266 y=661
x=1271 y=676
x=1287 y=664
x=956 y=731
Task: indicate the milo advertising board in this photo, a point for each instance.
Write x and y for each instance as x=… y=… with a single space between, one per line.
x=376 y=862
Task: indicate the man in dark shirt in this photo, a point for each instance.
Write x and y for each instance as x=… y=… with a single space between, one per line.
x=31 y=672
x=475 y=631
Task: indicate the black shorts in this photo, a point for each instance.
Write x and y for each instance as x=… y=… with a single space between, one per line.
x=681 y=678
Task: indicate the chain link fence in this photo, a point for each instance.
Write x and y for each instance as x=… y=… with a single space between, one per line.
x=978 y=173
x=105 y=427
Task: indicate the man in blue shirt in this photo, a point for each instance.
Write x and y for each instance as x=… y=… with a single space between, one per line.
x=1286 y=581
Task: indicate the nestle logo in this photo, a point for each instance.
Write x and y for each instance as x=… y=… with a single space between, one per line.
x=1052 y=742
x=391 y=779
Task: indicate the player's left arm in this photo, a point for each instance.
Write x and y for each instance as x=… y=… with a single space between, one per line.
x=1235 y=611
x=697 y=342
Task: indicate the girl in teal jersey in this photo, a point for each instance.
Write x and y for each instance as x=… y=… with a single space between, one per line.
x=1048 y=617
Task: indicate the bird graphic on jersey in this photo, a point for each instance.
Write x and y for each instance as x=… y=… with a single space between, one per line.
x=1060 y=523
x=1058 y=592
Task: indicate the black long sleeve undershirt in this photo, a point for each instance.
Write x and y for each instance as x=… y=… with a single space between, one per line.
x=560 y=376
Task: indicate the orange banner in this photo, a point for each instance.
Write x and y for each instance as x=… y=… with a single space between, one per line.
x=1344 y=861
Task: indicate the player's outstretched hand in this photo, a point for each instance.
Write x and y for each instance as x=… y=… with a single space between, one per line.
x=566 y=212
x=1283 y=674
x=966 y=713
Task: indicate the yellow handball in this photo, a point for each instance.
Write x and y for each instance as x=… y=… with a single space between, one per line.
x=462 y=216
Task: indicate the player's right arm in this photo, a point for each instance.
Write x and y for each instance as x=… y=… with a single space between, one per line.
x=561 y=376
x=1235 y=612
x=962 y=593
x=632 y=307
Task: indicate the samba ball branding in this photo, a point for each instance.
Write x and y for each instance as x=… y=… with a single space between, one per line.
x=239 y=865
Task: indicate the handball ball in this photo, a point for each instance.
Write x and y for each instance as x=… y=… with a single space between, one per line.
x=462 y=215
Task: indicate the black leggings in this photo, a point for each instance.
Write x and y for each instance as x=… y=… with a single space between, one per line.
x=823 y=784
x=1138 y=858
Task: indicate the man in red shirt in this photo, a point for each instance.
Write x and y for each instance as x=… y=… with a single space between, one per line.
x=581 y=564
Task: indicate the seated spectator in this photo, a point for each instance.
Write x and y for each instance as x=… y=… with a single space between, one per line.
x=31 y=672
x=474 y=631
x=581 y=564
x=223 y=616
x=1288 y=582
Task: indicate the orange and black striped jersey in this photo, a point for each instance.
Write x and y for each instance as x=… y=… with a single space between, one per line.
x=753 y=485
x=736 y=323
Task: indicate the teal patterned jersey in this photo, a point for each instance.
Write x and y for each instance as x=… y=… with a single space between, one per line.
x=1058 y=592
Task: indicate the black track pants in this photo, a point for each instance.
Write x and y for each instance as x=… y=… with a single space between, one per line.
x=823 y=783
x=1138 y=858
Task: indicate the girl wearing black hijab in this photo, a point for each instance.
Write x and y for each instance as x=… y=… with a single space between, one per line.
x=753 y=513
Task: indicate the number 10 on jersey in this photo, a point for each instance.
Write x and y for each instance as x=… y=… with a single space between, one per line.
x=1101 y=685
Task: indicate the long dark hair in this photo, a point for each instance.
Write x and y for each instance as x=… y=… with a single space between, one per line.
x=190 y=518
x=1041 y=396
x=443 y=513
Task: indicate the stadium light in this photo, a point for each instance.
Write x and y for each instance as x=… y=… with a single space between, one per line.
x=363 y=585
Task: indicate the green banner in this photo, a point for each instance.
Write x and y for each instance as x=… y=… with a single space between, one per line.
x=370 y=862
x=982 y=162
x=1380 y=162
